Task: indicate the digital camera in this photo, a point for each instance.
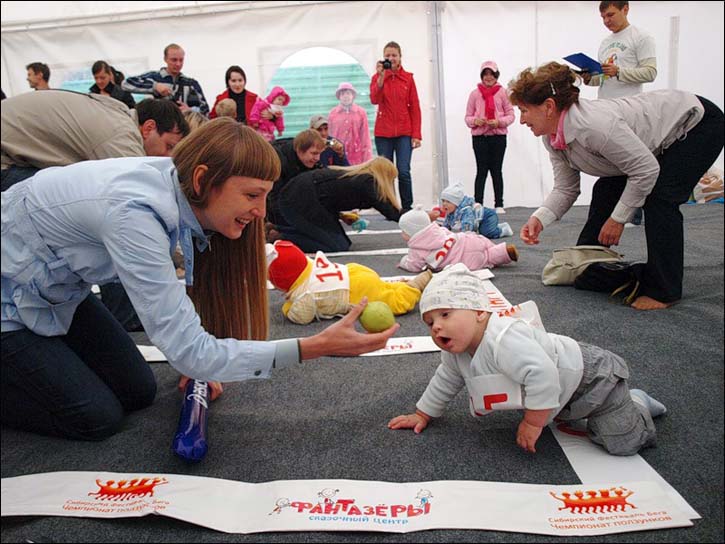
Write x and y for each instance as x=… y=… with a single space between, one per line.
x=387 y=65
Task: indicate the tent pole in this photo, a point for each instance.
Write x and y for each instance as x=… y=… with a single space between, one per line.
x=441 y=155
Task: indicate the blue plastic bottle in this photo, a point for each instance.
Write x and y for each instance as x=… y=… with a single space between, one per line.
x=190 y=439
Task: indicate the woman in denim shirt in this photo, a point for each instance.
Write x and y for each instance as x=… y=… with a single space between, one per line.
x=69 y=369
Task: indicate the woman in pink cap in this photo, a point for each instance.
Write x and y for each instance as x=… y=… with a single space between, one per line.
x=488 y=113
x=348 y=122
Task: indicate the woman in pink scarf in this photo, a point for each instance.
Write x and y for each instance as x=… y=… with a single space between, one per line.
x=488 y=113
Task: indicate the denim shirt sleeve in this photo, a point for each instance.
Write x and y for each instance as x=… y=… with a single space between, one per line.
x=139 y=245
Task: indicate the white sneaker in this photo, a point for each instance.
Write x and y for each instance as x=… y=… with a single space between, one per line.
x=506 y=230
x=500 y=211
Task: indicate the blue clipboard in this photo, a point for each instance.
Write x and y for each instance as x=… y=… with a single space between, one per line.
x=584 y=63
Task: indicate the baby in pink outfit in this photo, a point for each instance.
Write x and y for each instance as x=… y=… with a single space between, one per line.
x=274 y=104
x=431 y=246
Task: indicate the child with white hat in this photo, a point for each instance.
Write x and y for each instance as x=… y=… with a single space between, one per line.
x=509 y=364
x=432 y=247
x=463 y=214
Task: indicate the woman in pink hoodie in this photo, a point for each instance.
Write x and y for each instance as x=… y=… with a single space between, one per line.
x=265 y=123
x=488 y=113
x=433 y=247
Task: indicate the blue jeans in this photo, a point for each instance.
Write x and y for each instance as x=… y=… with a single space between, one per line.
x=115 y=298
x=402 y=146
x=489 y=224
x=75 y=386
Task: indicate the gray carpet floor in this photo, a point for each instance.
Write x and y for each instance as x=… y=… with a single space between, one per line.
x=327 y=418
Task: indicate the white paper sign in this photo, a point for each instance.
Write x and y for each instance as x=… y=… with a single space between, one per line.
x=327 y=276
x=151 y=353
x=405 y=344
x=347 y=505
x=495 y=297
x=490 y=392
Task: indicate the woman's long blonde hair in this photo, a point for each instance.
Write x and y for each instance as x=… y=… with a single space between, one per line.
x=230 y=277
x=383 y=172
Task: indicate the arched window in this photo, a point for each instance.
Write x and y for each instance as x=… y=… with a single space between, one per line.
x=310 y=77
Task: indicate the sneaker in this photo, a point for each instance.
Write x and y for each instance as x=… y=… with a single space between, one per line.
x=506 y=230
x=654 y=407
x=500 y=210
x=512 y=251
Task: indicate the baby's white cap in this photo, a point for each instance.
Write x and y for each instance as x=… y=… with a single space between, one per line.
x=456 y=287
x=414 y=221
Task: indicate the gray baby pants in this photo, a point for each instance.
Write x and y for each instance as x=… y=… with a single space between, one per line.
x=614 y=420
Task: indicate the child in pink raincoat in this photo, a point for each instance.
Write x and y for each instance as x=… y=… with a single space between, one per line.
x=274 y=104
x=348 y=122
x=434 y=247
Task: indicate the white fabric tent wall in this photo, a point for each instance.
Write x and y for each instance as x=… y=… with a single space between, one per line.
x=259 y=36
x=521 y=34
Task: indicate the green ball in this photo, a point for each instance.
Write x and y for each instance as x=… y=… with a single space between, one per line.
x=377 y=317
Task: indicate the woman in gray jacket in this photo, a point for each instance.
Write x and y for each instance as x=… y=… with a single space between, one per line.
x=648 y=150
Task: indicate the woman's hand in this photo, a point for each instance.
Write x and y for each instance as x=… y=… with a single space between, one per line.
x=417 y=421
x=611 y=233
x=381 y=73
x=478 y=122
x=493 y=123
x=215 y=387
x=415 y=143
x=531 y=230
x=342 y=340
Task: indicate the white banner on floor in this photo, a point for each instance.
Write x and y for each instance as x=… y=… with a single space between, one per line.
x=393 y=251
x=347 y=505
x=405 y=344
x=592 y=463
x=152 y=354
x=362 y=232
x=483 y=274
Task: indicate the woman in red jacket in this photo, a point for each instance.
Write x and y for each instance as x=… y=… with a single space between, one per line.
x=397 y=125
x=236 y=81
